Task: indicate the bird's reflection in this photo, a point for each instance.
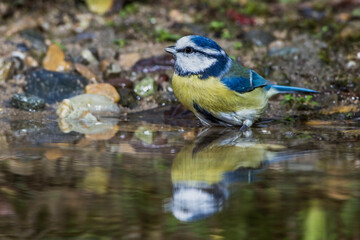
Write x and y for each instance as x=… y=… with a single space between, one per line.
x=203 y=171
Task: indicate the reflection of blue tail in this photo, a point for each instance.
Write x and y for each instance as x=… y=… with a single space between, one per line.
x=249 y=175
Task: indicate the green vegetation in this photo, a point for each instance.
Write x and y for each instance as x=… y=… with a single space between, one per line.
x=238 y=45
x=216 y=25
x=301 y=103
x=162 y=35
x=120 y=43
x=129 y=9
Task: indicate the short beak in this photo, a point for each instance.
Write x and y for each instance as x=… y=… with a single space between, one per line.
x=171 y=50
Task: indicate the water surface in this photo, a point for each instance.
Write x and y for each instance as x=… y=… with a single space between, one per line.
x=157 y=177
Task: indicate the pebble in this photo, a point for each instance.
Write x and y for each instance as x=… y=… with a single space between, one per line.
x=162 y=78
x=27 y=102
x=25 y=22
x=54 y=86
x=89 y=56
x=36 y=38
x=154 y=64
x=165 y=98
x=127 y=60
x=85 y=72
x=113 y=70
x=351 y=31
x=104 y=89
x=146 y=87
x=6 y=70
x=22 y=47
x=309 y=12
x=104 y=64
x=55 y=59
x=351 y=64
x=259 y=37
x=283 y=51
x=30 y=61
x=127 y=98
x=80 y=106
x=121 y=82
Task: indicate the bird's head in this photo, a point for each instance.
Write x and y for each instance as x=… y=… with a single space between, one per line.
x=197 y=55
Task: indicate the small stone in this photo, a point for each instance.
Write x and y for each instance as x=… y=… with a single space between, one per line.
x=85 y=72
x=54 y=86
x=18 y=54
x=27 y=102
x=162 y=78
x=26 y=22
x=309 y=12
x=121 y=82
x=113 y=70
x=22 y=47
x=104 y=64
x=36 y=38
x=55 y=59
x=31 y=62
x=104 y=89
x=165 y=98
x=343 y=17
x=166 y=86
x=351 y=31
x=358 y=55
x=154 y=64
x=79 y=106
x=5 y=70
x=283 y=51
x=351 y=64
x=176 y=16
x=259 y=37
x=127 y=98
x=276 y=45
x=145 y=87
x=127 y=60
x=89 y=56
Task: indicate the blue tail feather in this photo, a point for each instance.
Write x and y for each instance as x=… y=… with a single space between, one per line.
x=288 y=89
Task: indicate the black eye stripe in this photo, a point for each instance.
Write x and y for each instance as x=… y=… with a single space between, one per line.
x=198 y=51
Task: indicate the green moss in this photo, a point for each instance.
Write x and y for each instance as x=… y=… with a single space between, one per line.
x=216 y=25
x=162 y=35
x=120 y=43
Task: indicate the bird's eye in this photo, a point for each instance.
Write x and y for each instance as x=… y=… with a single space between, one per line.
x=189 y=50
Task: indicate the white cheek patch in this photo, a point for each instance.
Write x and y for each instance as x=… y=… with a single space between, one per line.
x=193 y=63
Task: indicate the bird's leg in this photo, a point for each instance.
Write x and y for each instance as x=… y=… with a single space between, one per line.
x=245 y=128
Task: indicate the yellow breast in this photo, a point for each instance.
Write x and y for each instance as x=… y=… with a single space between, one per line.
x=215 y=97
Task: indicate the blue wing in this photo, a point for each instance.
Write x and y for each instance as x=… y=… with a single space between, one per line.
x=242 y=79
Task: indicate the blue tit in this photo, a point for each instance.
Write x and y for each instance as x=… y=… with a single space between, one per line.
x=218 y=90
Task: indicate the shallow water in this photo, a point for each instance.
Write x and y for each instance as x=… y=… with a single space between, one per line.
x=157 y=176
